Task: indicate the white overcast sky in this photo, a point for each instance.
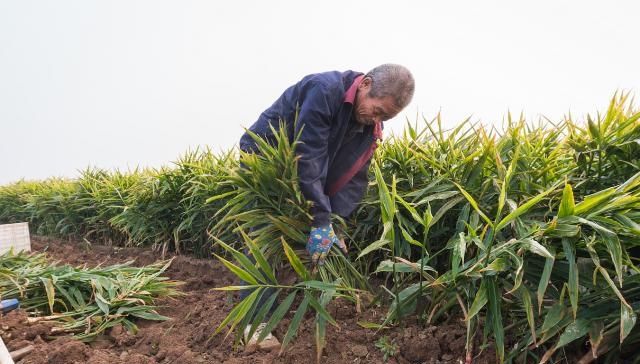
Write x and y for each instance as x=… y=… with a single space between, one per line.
x=120 y=84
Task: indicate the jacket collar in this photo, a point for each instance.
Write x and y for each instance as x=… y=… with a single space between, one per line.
x=350 y=94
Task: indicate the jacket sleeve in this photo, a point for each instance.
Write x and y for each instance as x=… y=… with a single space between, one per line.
x=348 y=197
x=314 y=127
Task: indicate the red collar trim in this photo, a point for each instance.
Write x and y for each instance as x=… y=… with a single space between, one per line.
x=350 y=95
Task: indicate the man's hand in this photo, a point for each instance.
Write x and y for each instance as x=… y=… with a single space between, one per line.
x=321 y=239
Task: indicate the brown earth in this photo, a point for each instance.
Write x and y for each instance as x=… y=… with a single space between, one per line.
x=186 y=338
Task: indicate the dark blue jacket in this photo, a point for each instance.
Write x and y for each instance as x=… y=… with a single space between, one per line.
x=330 y=143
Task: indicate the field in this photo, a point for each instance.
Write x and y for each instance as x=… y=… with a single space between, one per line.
x=474 y=244
x=186 y=338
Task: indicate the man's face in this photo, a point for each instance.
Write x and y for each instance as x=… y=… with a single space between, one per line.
x=369 y=110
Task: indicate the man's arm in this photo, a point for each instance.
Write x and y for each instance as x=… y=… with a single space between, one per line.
x=314 y=125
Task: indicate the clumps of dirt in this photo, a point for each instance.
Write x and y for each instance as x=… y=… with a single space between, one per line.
x=12 y=319
x=121 y=337
x=199 y=274
x=442 y=344
x=419 y=345
x=69 y=351
x=17 y=334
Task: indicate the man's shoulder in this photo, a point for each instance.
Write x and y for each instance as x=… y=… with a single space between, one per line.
x=331 y=80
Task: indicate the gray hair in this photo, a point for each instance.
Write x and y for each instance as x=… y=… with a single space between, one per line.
x=392 y=80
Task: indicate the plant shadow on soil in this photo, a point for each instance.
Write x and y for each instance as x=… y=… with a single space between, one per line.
x=185 y=338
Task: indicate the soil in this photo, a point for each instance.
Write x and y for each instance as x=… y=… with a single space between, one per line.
x=186 y=338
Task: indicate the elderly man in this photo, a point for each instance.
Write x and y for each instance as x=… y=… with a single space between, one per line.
x=339 y=118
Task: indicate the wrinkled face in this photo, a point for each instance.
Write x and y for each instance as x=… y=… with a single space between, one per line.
x=369 y=110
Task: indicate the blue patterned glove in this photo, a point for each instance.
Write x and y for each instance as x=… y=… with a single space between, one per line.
x=321 y=239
